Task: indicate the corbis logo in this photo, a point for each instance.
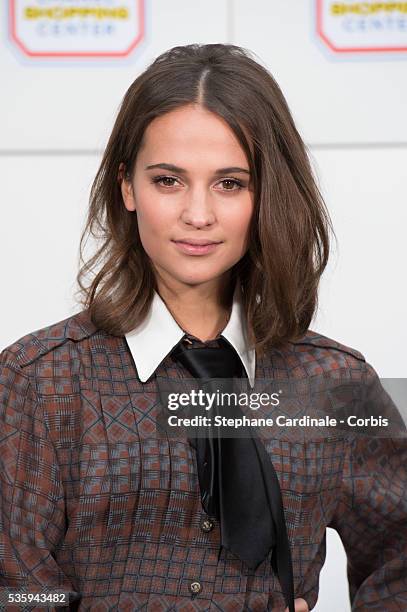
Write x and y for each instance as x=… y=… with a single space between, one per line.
x=76 y=28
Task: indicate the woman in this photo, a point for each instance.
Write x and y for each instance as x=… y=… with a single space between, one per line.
x=213 y=237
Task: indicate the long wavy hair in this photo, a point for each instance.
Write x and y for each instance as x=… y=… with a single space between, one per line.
x=289 y=233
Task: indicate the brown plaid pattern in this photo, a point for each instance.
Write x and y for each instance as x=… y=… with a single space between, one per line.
x=94 y=502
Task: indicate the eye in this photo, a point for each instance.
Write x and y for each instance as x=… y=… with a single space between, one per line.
x=165 y=181
x=231 y=184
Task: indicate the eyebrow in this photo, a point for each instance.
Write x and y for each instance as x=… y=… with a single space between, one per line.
x=219 y=171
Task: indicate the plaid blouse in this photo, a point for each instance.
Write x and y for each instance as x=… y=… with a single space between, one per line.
x=99 y=510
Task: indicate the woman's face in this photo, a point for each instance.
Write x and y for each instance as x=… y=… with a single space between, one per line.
x=190 y=191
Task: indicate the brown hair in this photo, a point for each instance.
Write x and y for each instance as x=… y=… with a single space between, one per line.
x=289 y=233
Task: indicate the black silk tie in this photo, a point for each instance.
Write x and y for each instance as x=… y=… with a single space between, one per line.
x=237 y=479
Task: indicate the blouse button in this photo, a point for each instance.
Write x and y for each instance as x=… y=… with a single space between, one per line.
x=195 y=587
x=206 y=524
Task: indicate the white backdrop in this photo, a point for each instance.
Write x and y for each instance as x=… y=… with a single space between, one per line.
x=56 y=116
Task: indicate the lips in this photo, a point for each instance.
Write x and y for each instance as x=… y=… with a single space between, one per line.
x=197 y=242
x=196 y=247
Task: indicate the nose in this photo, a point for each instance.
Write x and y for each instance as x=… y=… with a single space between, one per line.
x=198 y=208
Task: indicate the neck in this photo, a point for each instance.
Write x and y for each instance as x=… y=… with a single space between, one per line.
x=201 y=310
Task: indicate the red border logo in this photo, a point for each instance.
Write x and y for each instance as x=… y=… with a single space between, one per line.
x=139 y=35
x=334 y=46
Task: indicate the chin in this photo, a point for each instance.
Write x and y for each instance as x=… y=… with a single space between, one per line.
x=194 y=272
x=195 y=278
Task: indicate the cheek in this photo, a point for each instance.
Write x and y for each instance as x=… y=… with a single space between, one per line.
x=149 y=220
x=153 y=218
x=238 y=225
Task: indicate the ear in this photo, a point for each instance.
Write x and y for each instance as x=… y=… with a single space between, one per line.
x=126 y=188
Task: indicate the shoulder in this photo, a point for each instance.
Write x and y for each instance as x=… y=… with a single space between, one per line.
x=315 y=353
x=58 y=336
x=313 y=341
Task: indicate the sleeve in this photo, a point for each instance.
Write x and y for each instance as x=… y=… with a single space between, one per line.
x=32 y=507
x=371 y=515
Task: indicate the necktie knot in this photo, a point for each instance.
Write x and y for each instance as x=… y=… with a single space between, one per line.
x=208 y=361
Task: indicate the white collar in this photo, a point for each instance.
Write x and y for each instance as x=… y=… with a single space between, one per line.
x=159 y=333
